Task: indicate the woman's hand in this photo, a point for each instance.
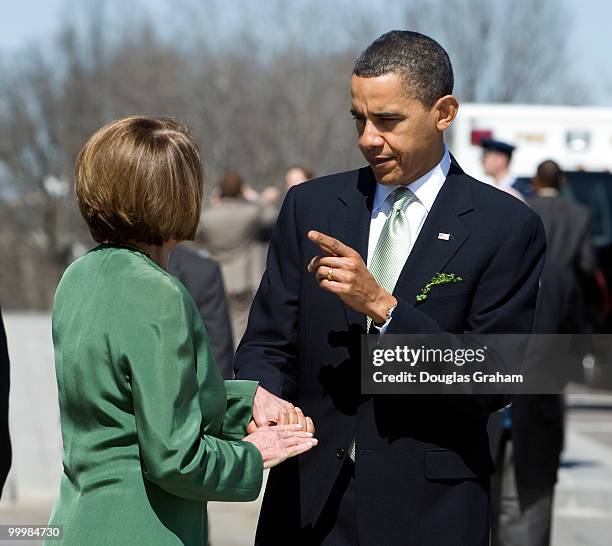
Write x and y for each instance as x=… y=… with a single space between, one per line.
x=280 y=442
x=286 y=418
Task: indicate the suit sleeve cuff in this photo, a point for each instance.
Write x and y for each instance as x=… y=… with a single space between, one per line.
x=408 y=319
x=240 y=396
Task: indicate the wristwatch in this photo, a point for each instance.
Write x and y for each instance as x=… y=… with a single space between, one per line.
x=387 y=316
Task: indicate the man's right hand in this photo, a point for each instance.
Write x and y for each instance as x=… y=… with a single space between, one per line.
x=272 y=410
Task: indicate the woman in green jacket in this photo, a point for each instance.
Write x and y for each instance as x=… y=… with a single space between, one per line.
x=150 y=430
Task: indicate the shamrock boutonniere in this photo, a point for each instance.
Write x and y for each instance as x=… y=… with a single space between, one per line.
x=438 y=278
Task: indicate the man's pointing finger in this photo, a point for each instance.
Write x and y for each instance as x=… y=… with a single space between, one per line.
x=330 y=245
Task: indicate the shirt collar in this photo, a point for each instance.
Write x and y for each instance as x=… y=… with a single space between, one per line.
x=425 y=188
x=548 y=192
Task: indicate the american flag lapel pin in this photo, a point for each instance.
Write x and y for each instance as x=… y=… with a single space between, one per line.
x=444 y=236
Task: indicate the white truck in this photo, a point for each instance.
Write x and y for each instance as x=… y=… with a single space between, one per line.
x=578 y=138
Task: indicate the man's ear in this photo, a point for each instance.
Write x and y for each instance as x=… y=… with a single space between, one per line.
x=445 y=109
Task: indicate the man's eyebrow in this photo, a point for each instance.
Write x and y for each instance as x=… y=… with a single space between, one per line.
x=380 y=115
x=386 y=115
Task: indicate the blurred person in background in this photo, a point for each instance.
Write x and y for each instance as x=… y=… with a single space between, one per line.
x=246 y=192
x=150 y=430
x=231 y=232
x=527 y=437
x=202 y=277
x=568 y=227
x=567 y=223
x=297 y=174
x=568 y=235
x=496 y=159
x=5 y=439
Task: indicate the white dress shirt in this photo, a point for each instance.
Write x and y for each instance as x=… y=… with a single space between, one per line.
x=426 y=189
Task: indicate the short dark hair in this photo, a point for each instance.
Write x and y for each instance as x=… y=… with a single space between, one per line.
x=231 y=184
x=140 y=178
x=549 y=174
x=422 y=62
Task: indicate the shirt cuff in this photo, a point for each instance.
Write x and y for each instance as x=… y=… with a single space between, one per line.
x=382 y=329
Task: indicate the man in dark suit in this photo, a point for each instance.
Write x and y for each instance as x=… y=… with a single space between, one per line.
x=527 y=439
x=202 y=277
x=354 y=249
x=5 y=439
x=567 y=224
x=568 y=237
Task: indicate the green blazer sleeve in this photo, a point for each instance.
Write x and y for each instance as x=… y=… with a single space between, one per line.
x=240 y=396
x=180 y=405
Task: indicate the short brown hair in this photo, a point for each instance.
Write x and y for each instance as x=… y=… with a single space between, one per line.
x=549 y=175
x=140 y=178
x=231 y=184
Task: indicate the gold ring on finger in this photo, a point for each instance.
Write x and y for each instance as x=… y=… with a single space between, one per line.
x=330 y=274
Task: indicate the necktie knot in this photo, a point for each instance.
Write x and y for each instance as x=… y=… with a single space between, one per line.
x=401 y=197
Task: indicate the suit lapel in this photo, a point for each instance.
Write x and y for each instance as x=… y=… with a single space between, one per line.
x=430 y=254
x=351 y=223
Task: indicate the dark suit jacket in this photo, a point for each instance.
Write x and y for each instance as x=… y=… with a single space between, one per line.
x=568 y=232
x=202 y=277
x=423 y=462
x=538 y=420
x=5 y=440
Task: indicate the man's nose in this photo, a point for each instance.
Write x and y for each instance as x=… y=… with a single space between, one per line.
x=370 y=136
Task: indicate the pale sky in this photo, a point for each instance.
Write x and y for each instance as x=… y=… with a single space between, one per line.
x=590 y=42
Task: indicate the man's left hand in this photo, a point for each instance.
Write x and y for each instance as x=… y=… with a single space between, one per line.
x=342 y=271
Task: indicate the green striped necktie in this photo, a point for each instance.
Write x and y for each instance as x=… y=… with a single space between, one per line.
x=391 y=251
x=393 y=244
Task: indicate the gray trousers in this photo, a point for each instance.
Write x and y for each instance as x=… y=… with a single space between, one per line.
x=516 y=523
x=239 y=307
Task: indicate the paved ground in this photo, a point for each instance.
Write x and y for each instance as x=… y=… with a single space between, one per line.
x=583 y=504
